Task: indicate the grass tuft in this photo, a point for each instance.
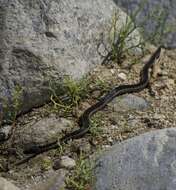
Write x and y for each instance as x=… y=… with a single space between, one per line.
x=81 y=177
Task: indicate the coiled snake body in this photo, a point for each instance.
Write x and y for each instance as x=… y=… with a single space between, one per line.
x=84 y=120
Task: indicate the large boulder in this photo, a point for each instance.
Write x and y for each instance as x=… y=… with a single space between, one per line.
x=166 y=10
x=43 y=40
x=144 y=162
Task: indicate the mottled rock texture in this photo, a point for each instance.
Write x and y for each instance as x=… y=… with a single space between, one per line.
x=129 y=102
x=141 y=163
x=169 y=16
x=41 y=131
x=41 y=41
x=6 y=185
x=54 y=182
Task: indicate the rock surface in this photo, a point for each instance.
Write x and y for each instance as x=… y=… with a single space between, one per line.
x=64 y=162
x=122 y=76
x=129 y=102
x=42 y=131
x=144 y=162
x=6 y=185
x=5 y=132
x=41 y=41
x=55 y=182
x=151 y=24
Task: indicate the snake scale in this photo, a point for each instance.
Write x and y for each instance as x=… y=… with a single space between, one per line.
x=84 y=120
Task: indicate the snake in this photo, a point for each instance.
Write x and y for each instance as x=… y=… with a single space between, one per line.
x=84 y=119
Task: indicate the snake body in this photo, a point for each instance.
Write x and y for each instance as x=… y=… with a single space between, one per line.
x=84 y=120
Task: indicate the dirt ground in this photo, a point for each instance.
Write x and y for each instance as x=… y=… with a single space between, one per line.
x=110 y=126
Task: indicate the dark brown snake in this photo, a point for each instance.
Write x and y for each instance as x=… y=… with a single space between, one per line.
x=84 y=120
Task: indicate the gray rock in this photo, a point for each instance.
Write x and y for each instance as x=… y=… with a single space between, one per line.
x=42 y=131
x=64 y=162
x=122 y=76
x=151 y=24
x=144 y=162
x=129 y=102
x=6 y=185
x=5 y=132
x=41 y=41
x=54 y=182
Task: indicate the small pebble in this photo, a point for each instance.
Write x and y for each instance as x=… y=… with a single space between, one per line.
x=64 y=162
x=122 y=76
x=106 y=147
x=110 y=139
x=5 y=132
x=114 y=126
x=112 y=71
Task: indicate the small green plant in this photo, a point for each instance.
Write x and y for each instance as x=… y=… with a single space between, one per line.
x=102 y=84
x=81 y=177
x=120 y=37
x=12 y=104
x=16 y=99
x=60 y=150
x=96 y=125
x=46 y=163
x=72 y=93
x=75 y=90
